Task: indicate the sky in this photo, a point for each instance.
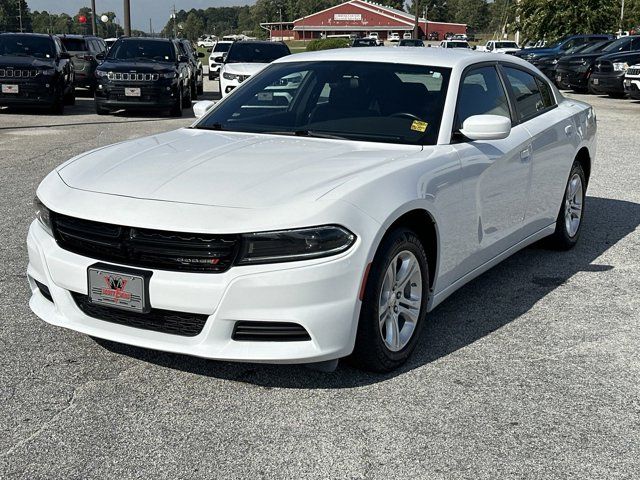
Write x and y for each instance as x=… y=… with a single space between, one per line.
x=141 y=10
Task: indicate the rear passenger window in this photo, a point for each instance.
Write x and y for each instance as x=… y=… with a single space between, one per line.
x=481 y=93
x=547 y=95
x=527 y=93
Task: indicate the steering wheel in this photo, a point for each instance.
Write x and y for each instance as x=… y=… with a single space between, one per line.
x=406 y=114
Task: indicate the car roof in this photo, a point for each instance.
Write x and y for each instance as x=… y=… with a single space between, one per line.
x=43 y=35
x=433 y=57
x=146 y=39
x=75 y=35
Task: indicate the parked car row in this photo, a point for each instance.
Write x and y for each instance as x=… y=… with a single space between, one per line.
x=589 y=63
x=134 y=73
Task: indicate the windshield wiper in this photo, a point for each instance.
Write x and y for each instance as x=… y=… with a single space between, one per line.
x=305 y=133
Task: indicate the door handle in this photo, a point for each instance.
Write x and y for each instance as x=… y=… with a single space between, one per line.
x=525 y=154
x=568 y=130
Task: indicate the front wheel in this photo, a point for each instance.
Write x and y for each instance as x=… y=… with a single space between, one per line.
x=569 y=221
x=394 y=303
x=176 y=109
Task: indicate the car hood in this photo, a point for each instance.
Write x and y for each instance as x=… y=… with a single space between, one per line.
x=622 y=57
x=23 y=62
x=579 y=58
x=244 y=68
x=537 y=52
x=225 y=169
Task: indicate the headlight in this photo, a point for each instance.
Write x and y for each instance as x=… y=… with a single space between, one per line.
x=43 y=214
x=620 y=66
x=168 y=75
x=291 y=245
x=230 y=76
x=101 y=74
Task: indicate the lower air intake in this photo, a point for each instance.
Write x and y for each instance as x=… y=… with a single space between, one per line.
x=269 y=332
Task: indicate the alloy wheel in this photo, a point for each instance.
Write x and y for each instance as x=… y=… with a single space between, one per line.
x=573 y=205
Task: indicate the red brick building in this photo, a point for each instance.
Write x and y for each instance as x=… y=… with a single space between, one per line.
x=360 y=18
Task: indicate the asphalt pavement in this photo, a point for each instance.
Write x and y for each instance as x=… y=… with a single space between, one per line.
x=530 y=371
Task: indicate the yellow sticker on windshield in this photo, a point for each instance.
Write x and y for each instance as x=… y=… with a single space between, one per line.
x=418 y=126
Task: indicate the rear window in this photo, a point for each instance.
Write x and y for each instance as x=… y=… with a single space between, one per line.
x=75 y=44
x=246 y=52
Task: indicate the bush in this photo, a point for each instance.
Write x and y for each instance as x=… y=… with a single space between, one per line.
x=327 y=44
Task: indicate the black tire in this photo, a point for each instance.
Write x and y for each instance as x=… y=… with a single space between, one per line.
x=617 y=95
x=176 y=109
x=186 y=102
x=101 y=111
x=200 y=89
x=70 y=97
x=562 y=238
x=57 y=107
x=212 y=77
x=370 y=351
x=194 y=91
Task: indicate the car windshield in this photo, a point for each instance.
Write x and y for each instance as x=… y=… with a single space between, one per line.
x=221 y=47
x=152 y=50
x=457 y=45
x=74 y=44
x=594 y=47
x=411 y=43
x=618 y=45
x=506 y=45
x=366 y=101
x=26 y=46
x=247 y=52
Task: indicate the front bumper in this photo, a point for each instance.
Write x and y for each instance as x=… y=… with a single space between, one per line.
x=632 y=87
x=606 y=83
x=35 y=93
x=152 y=96
x=320 y=295
x=572 y=79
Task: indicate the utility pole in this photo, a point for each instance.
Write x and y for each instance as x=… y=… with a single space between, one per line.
x=127 y=18
x=93 y=17
x=150 y=27
x=20 y=14
x=416 y=27
x=175 y=27
x=621 y=16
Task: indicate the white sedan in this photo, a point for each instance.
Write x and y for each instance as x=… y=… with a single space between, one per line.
x=320 y=211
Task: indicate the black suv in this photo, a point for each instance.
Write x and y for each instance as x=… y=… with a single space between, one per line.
x=143 y=73
x=609 y=72
x=83 y=50
x=574 y=71
x=195 y=67
x=35 y=69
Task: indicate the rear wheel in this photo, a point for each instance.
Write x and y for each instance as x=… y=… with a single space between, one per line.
x=569 y=221
x=176 y=109
x=70 y=97
x=200 y=89
x=186 y=102
x=394 y=303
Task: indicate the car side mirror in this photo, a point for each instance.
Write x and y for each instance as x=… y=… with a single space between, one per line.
x=64 y=56
x=100 y=56
x=183 y=58
x=200 y=55
x=219 y=59
x=202 y=107
x=486 y=127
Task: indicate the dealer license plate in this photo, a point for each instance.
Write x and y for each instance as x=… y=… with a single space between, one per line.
x=627 y=83
x=118 y=289
x=132 y=92
x=596 y=81
x=558 y=78
x=9 y=88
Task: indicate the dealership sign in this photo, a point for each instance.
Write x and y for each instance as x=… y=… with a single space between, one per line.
x=347 y=17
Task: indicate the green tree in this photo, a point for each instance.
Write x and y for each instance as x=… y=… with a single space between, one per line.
x=193 y=26
x=10 y=13
x=552 y=19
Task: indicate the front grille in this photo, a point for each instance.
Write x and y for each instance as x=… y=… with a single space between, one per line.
x=132 y=77
x=164 y=321
x=140 y=247
x=604 y=66
x=16 y=73
x=633 y=71
x=147 y=94
x=269 y=332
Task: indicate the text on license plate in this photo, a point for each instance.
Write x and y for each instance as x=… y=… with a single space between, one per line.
x=9 y=88
x=116 y=289
x=132 y=92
